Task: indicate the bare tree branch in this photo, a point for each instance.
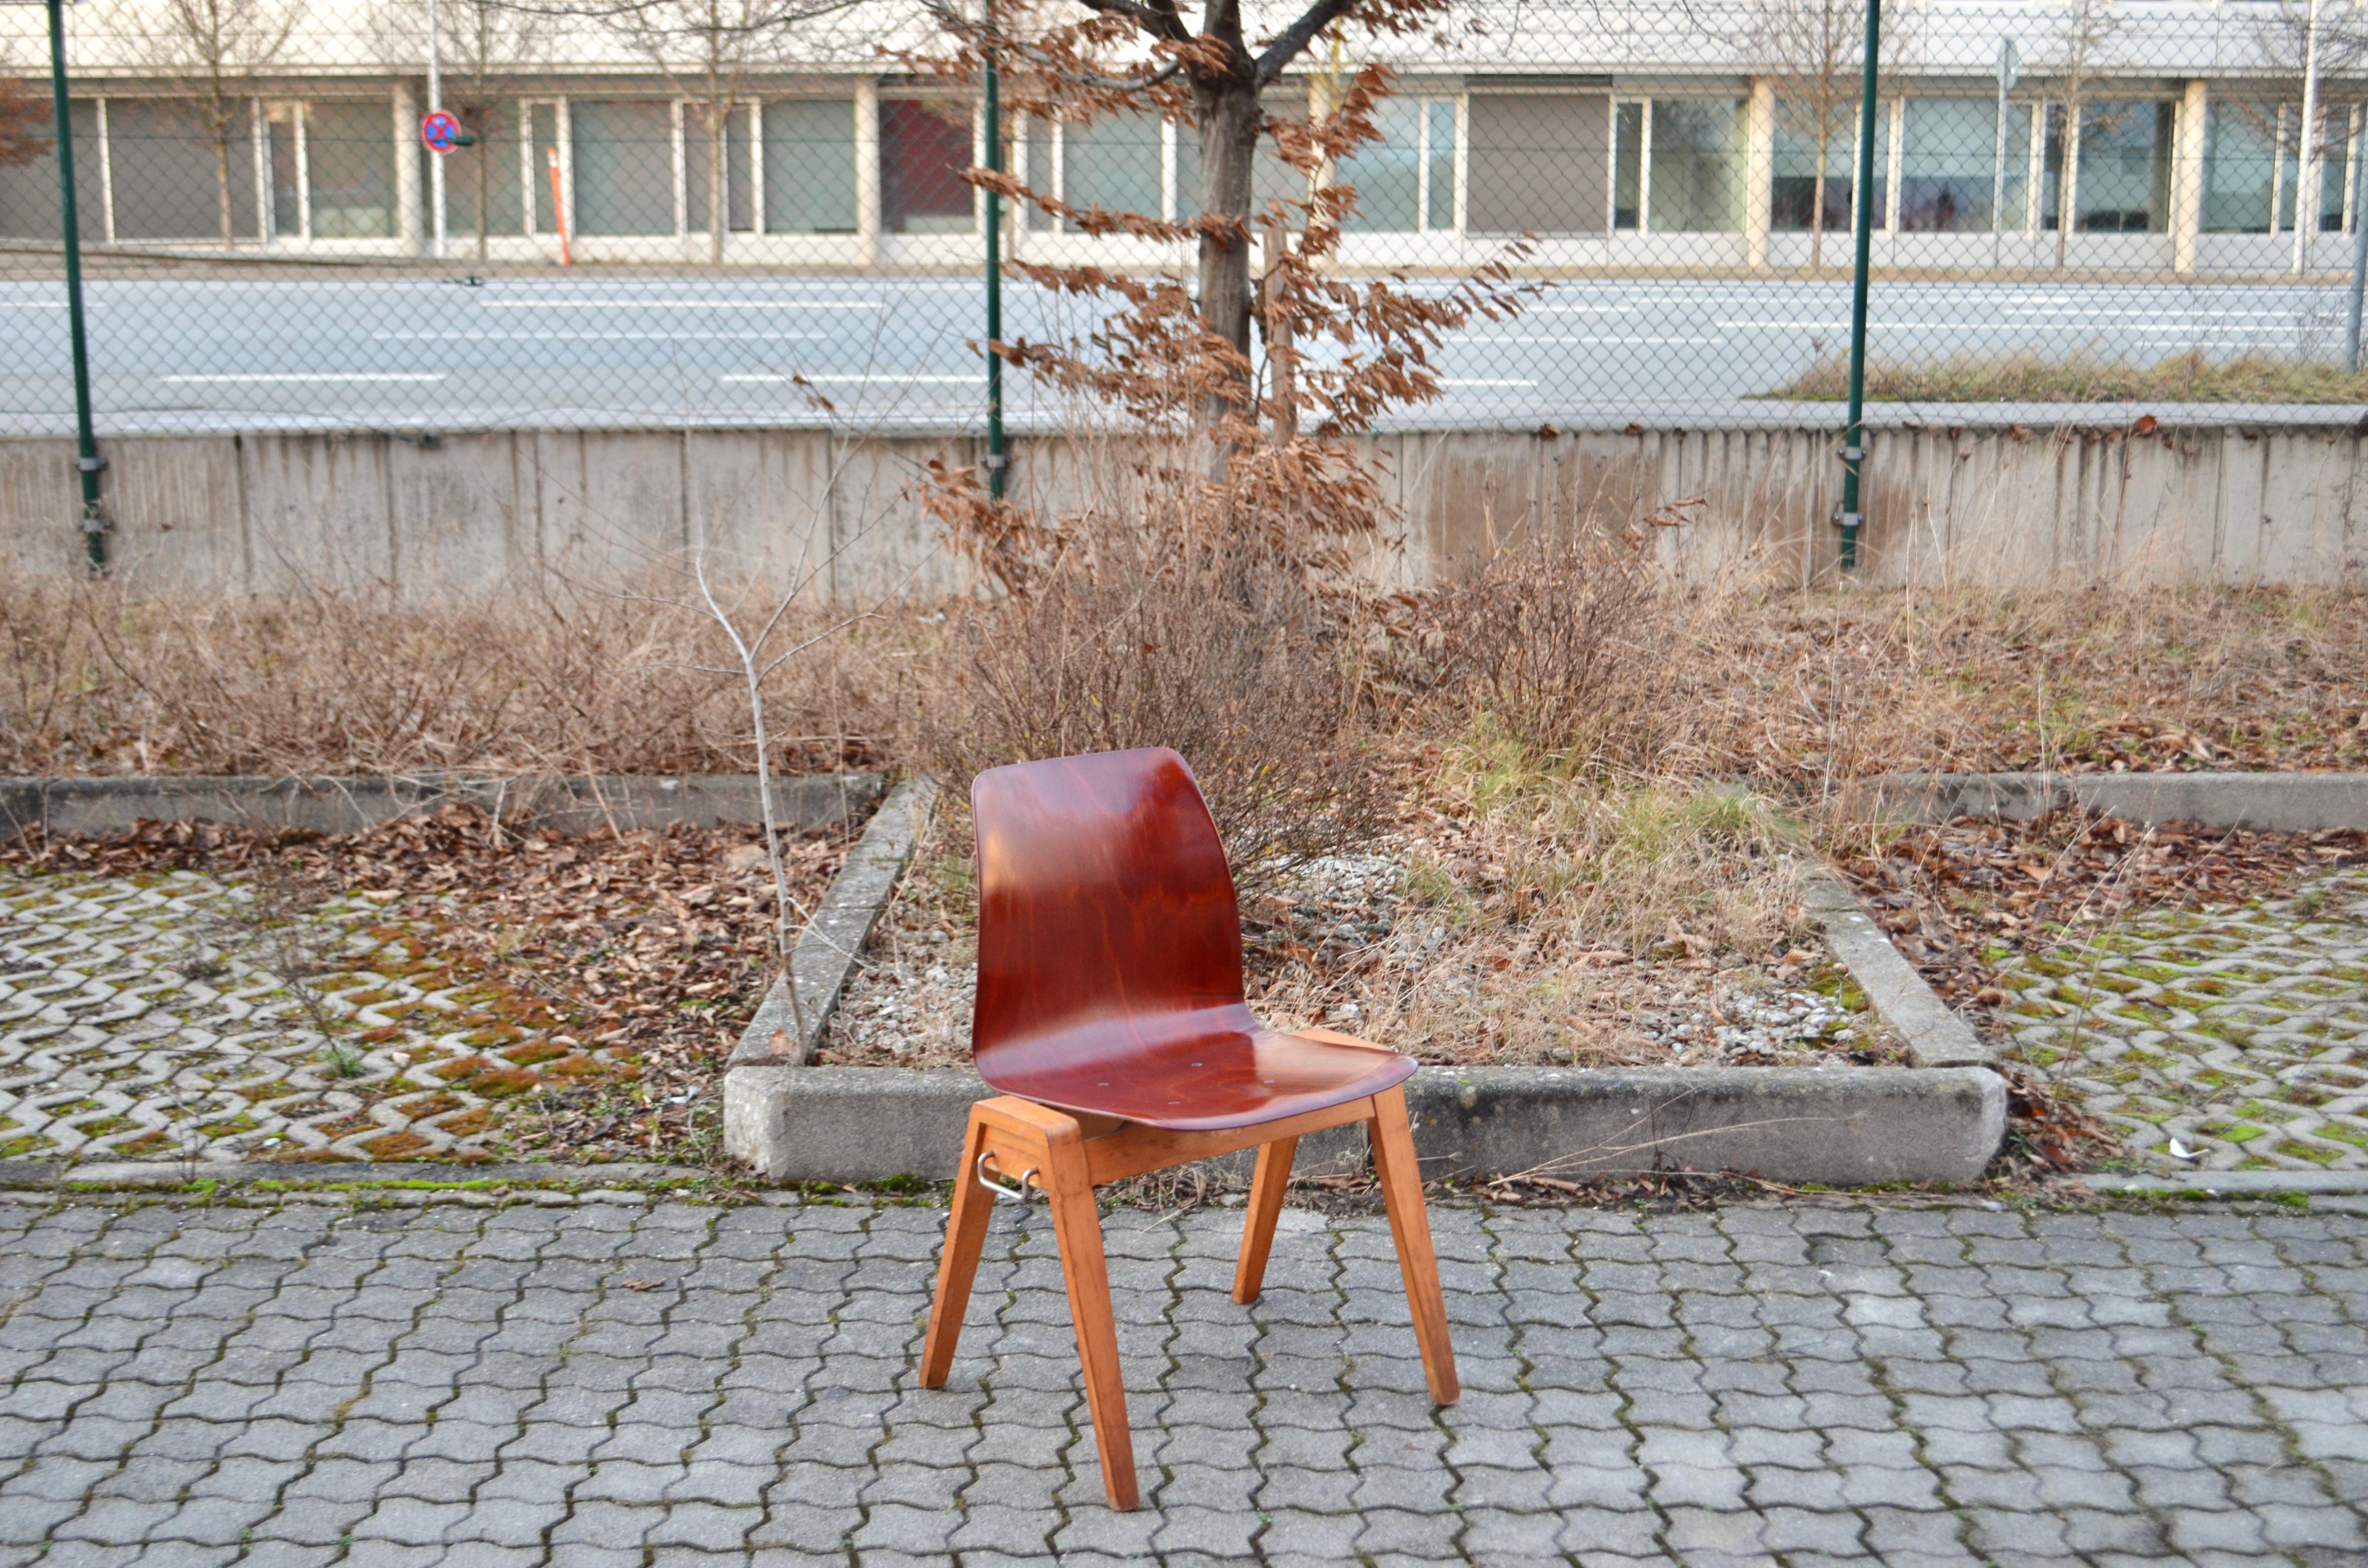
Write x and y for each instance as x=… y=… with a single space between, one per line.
x=1288 y=43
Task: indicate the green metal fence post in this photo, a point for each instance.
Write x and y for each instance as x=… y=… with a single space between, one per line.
x=86 y=458
x=998 y=460
x=1862 y=203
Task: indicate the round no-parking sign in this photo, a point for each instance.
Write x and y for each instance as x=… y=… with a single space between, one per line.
x=441 y=131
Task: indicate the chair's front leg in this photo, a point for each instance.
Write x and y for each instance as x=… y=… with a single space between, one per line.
x=1267 y=1187
x=1077 y=1223
x=958 y=1265
x=1400 y=1182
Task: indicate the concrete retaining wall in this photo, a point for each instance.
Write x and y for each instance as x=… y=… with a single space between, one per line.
x=458 y=514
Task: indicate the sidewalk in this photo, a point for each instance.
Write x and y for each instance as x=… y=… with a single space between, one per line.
x=676 y=1383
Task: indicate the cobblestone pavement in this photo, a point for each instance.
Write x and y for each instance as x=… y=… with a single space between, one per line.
x=2243 y=1035
x=147 y=1018
x=674 y=1384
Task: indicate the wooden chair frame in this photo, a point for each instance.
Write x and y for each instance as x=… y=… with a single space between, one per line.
x=1067 y=1157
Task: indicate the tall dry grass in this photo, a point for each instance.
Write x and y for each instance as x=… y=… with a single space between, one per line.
x=96 y=678
x=1801 y=691
x=1582 y=652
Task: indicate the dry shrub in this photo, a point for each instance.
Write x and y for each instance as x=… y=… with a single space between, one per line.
x=1208 y=641
x=547 y=678
x=1567 y=641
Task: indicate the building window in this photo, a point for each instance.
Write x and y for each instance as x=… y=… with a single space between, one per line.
x=171 y=182
x=29 y=191
x=624 y=168
x=2333 y=167
x=739 y=169
x=2240 y=168
x=810 y=166
x=349 y=170
x=1271 y=179
x=1114 y=163
x=2123 y=186
x=1954 y=166
x=481 y=182
x=925 y=146
x=1695 y=162
x=1539 y=163
x=1627 y=165
x=1794 y=195
x=1406 y=175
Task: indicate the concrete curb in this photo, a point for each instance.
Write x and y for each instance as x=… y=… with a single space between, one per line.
x=833 y=940
x=1850 y=1126
x=1935 y=1036
x=562 y=804
x=1937 y=1122
x=2276 y=802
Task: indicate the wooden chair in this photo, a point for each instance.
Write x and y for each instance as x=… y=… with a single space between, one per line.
x=1111 y=1016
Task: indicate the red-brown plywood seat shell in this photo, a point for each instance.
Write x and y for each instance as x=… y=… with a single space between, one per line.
x=1110 y=956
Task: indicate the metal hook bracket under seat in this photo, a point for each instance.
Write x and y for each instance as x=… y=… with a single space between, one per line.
x=1003 y=1194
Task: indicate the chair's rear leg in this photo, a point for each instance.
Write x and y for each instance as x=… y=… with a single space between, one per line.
x=958 y=1264
x=1401 y=1181
x=1267 y=1187
x=1079 y=1225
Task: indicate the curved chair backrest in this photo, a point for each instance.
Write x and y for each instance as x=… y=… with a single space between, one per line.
x=1106 y=922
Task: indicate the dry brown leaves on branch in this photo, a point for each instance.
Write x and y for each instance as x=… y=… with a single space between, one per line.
x=1947 y=893
x=651 y=947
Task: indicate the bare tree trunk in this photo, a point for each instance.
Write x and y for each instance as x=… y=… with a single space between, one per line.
x=221 y=177
x=1227 y=112
x=1817 y=205
x=718 y=220
x=2065 y=177
x=485 y=132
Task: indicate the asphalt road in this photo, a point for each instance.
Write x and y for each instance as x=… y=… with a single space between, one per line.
x=375 y=353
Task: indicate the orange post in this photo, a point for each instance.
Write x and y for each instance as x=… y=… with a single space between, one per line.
x=558 y=206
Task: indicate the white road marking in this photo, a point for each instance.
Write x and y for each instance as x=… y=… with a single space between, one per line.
x=888 y=376
x=603 y=336
x=682 y=304
x=314 y=376
x=1623 y=337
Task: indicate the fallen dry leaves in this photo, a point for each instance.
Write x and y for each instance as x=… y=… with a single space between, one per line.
x=1947 y=892
x=1954 y=896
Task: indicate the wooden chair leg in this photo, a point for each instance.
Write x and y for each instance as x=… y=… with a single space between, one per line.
x=958 y=1264
x=1401 y=1181
x=1078 y=1224
x=1267 y=1187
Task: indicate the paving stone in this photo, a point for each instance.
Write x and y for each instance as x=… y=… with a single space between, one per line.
x=2223 y=1030
x=2065 y=1440
x=94 y=1014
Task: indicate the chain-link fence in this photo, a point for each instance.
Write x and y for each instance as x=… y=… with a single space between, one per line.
x=2070 y=200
